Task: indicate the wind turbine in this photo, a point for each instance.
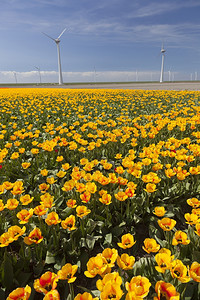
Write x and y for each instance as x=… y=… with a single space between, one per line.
x=57 y=41
x=136 y=75
x=162 y=52
x=15 y=75
x=95 y=75
x=38 y=68
x=170 y=74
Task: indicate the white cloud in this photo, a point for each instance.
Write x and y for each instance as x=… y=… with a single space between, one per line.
x=103 y=76
x=156 y=8
x=184 y=35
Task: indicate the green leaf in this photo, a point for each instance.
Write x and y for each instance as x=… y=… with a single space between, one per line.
x=90 y=240
x=93 y=293
x=66 y=212
x=139 y=266
x=22 y=278
x=59 y=201
x=191 y=290
x=50 y=258
x=117 y=230
x=60 y=263
x=7 y=272
x=2 y=294
x=169 y=215
x=196 y=256
x=96 y=293
x=33 y=292
x=37 y=269
x=136 y=218
x=108 y=239
x=91 y=226
x=84 y=257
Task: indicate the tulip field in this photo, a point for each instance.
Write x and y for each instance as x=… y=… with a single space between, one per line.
x=99 y=194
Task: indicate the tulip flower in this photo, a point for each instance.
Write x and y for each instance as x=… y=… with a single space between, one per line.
x=20 y=294
x=167 y=224
x=127 y=241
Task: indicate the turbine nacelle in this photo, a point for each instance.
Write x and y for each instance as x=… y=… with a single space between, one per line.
x=162 y=49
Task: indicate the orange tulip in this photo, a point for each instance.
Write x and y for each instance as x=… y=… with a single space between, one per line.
x=20 y=294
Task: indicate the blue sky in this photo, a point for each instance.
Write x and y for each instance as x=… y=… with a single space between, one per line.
x=105 y=40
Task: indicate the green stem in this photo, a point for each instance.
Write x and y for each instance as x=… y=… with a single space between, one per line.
x=183 y=292
x=107 y=215
x=82 y=227
x=150 y=265
x=94 y=206
x=23 y=249
x=72 y=241
x=33 y=252
x=71 y=288
x=168 y=237
x=128 y=209
x=55 y=236
x=147 y=203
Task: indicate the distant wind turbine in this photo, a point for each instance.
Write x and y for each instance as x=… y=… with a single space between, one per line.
x=38 y=68
x=57 y=41
x=170 y=74
x=15 y=75
x=162 y=52
x=136 y=75
x=95 y=75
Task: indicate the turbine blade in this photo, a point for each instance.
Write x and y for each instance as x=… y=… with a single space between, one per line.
x=49 y=36
x=61 y=34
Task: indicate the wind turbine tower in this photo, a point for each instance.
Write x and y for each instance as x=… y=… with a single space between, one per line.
x=15 y=75
x=38 y=68
x=95 y=75
x=162 y=63
x=57 y=41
